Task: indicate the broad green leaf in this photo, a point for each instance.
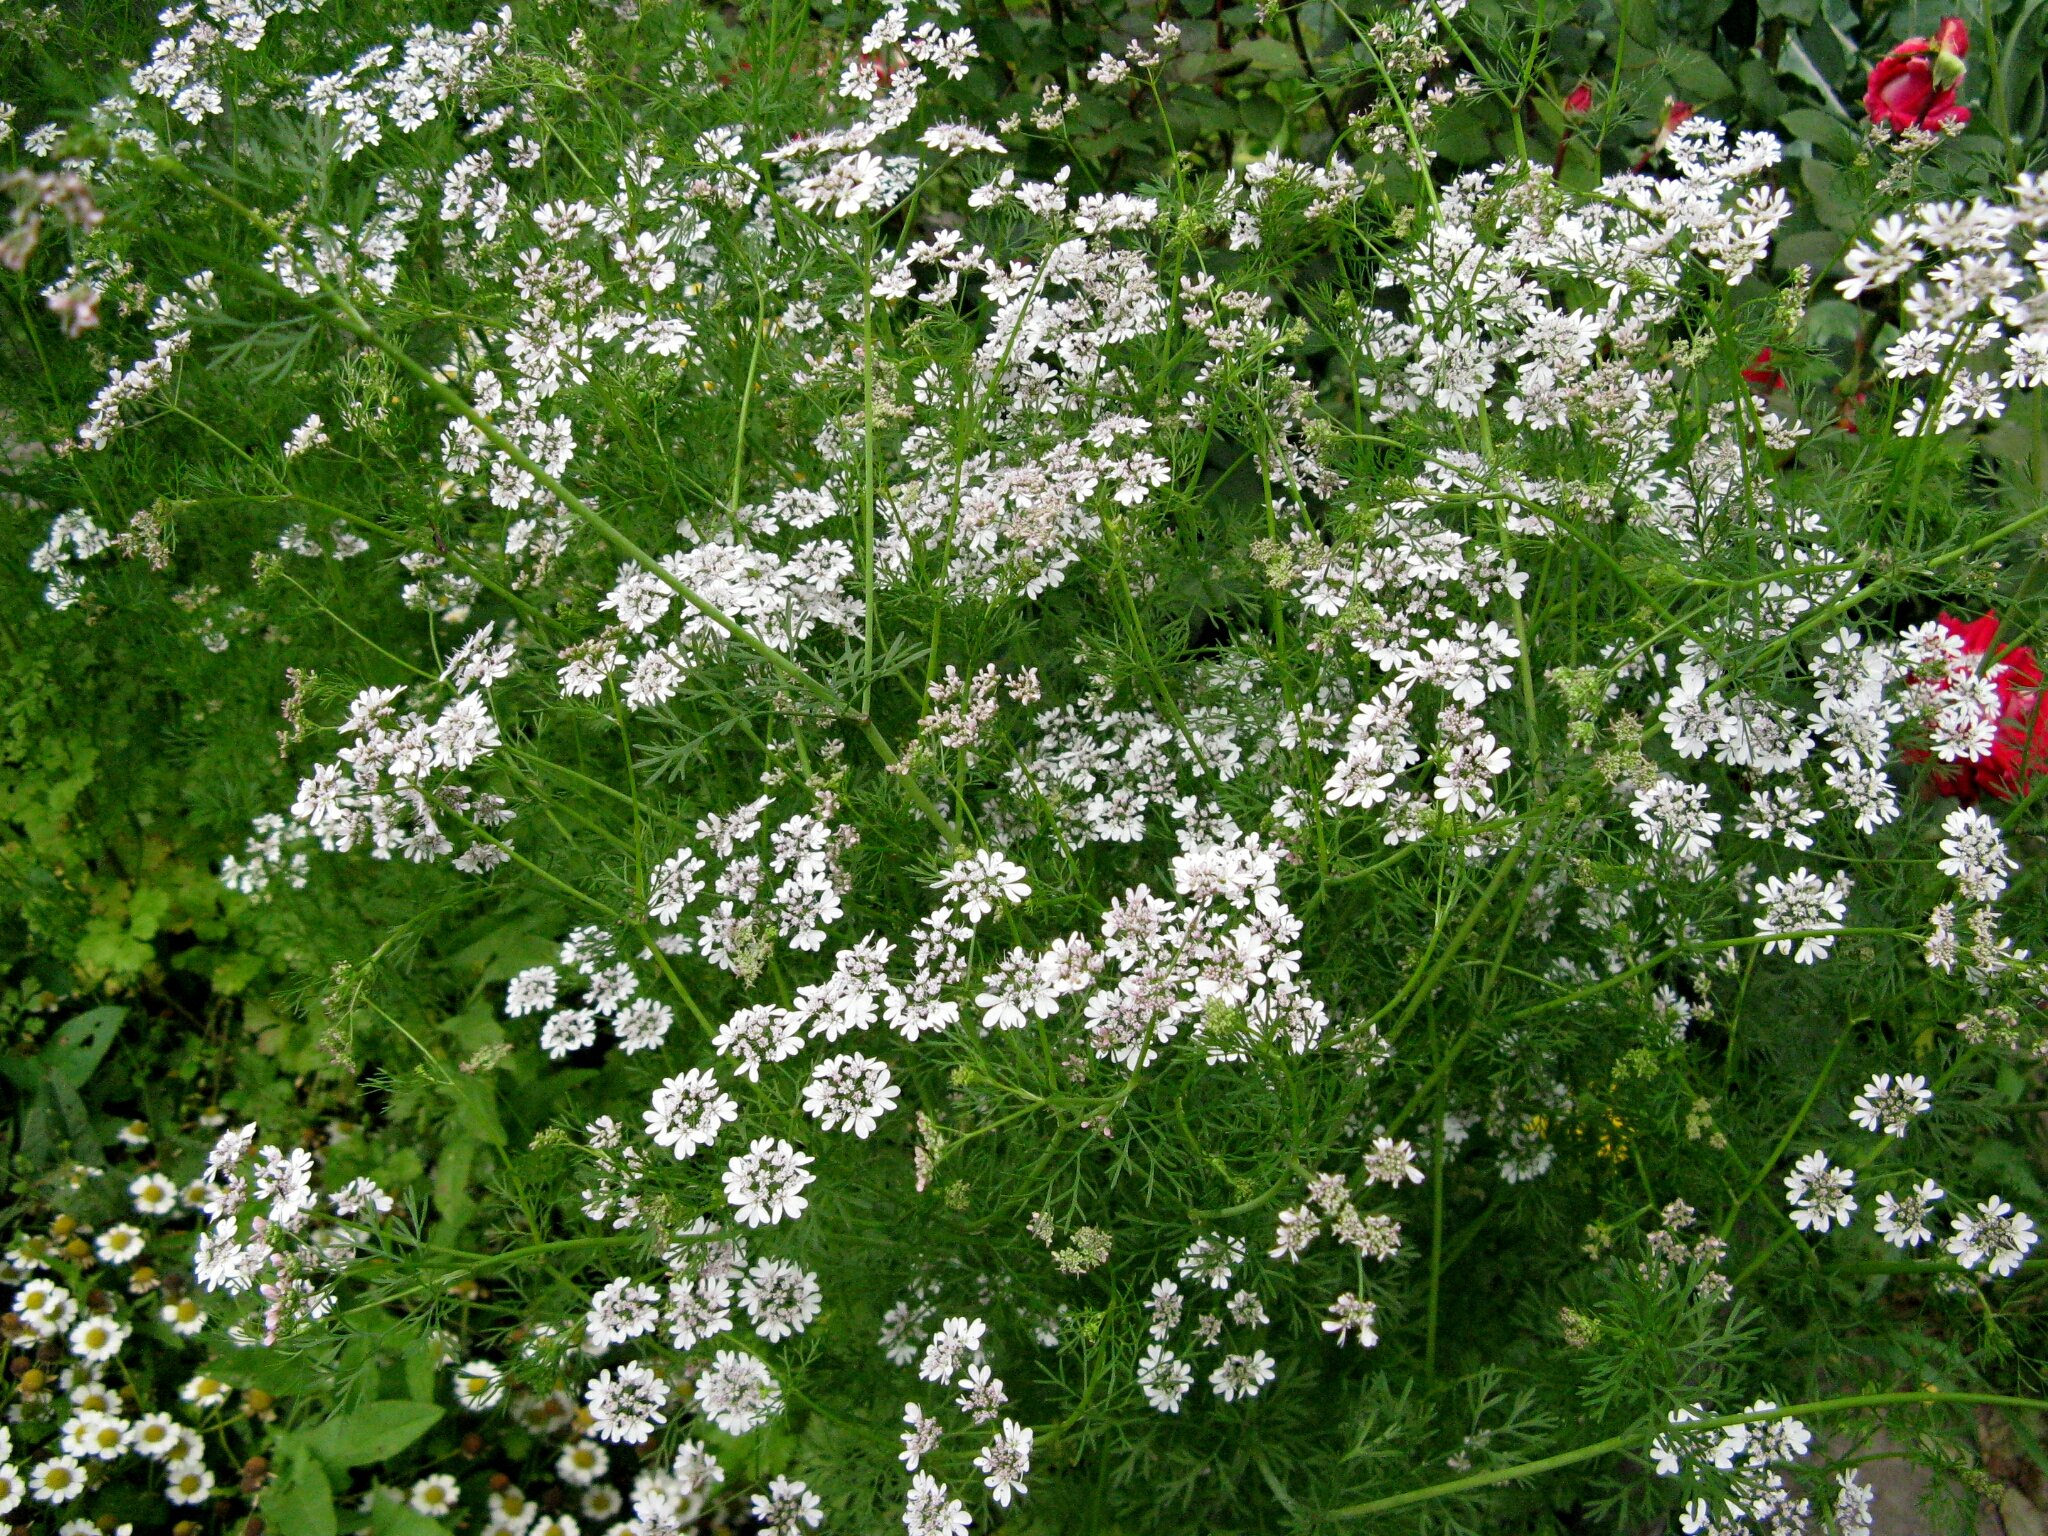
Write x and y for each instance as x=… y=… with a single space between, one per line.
x=1794 y=60
x=236 y=971
x=1268 y=53
x=394 y=1517
x=1698 y=77
x=373 y=1433
x=453 y=1186
x=1823 y=130
x=268 y=1370
x=301 y=1500
x=74 y=1053
x=421 y=1375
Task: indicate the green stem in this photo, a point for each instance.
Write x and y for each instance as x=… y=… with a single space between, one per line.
x=1630 y=1439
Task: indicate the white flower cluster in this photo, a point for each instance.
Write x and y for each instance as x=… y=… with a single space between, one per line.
x=1532 y=344
x=390 y=788
x=279 y=1248
x=1994 y=1235
x=433 y=68
x=1977 y=317
x=1740 y=1462
x=74 y=538
x=126 y=386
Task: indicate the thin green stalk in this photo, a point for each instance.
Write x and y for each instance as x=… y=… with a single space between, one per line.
x=1820 y=1081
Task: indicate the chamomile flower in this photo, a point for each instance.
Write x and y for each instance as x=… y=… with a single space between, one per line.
x=435 y=1495
x=479 y=1385
x=58 y=1480
x=188 y=1482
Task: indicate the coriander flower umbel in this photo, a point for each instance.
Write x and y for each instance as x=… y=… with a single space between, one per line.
x=850 y=1092
x=787 y=1508
x=1164 y=1378
x=780 y=1298
x=957 y=1341
x=1212 y=1258
x=1819 y=1193
x=1796 y=905
x=1853 y=1515
x=982 y=882
x=919 y=1439
x=766 y=1183
x=738 y=1393
x=1902 y=1219
x=1294 y=1229
x=1989 y=726
x=625 y=1405
x=1996 y=1236
x=1349 y=1314
x=931 y=1509
x=1974 y=854
x=688 y=1111
x=1888 y=1104
x=849 y=185
x=1005 y=1462
x=623 y=1310
x=1242 y=1375
x=1392 y=1162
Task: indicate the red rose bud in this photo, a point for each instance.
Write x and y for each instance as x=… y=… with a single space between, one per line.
x=1952 y=40
x=1675 y=112
x=1580 y=102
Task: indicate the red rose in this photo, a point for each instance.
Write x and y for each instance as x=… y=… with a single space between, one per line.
x=1580 y=102
x=2019 y=743
x=1762 y=374
x=1914 y=86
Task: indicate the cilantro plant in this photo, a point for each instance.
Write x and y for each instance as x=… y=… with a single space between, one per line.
x=961 y=800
